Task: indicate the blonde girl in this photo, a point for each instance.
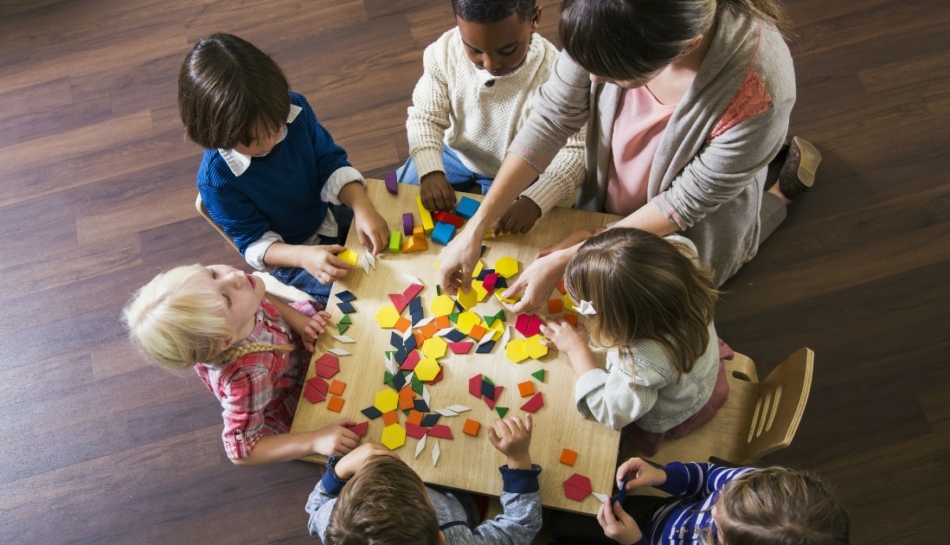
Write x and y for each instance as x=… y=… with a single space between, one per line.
x=251 y=351
x=653 y=316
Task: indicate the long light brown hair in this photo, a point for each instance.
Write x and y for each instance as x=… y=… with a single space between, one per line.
x=643 y=287
x=779 y=505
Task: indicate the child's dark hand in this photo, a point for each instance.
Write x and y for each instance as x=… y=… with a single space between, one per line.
x=519 y=218
x=617 y=524
x=513 y=439
x=322 y=262
x=314 y=328
x=335 y=439
x=436 y=192
x=352 y=462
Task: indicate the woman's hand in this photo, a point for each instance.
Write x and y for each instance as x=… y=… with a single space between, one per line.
x=457 y=261
x=537 y=282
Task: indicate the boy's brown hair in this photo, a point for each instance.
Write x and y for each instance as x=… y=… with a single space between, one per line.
x=385 y=503
x=230 y=92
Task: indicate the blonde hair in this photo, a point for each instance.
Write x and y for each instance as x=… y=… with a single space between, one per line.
x=643 y=288
x=779 y=505
x=385 y=503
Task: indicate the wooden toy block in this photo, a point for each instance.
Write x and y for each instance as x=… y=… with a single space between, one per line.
x=415 y=430
x=577 y=487
x=387 y=316
x=568 y=456
x=429 y=331
x=390 y=418
x=430 y=420
x=399 y=301
x=510 y=300
x=418 y=231
x=421 y=405
x=336 y=387
x=386 y=401
x=345 y=296
x=349 y=256
x=534 y=348
x=467 y=321
x=461 y=347
x=561 y=288
x=415 y=417
x=371 y=412
x=394 y=436
x=346 y=319
x=475 y=386
x=402 y=324
x=414 y=244
x=466 y=207
x=407 y=402
x=533 y=404
x=442 y=322
x=341 y=328
x=441 y=305
x=360 y=428
x=327 y=365
x=491 y=402
x=502 y=411
x=443 y=233
x=427 y=369
x=412 y=291
x=467 y=300
x=526 y=388
x=539 y=374
x=395 y=238
x=412 y=359
x=335 y=404
x=451 y=219
x=419 y=337
x=441 y=431
x=555 y=306
x=489 y=281
x=477 y=332
x=506 y=267
x=568 y=303
x=313 y=394
x=346 y=307
x=515 y=350
x=485 y=347
x=434 y=347
x=471 y=427
x=391 y=186
x=407 y=224
x=424 y=216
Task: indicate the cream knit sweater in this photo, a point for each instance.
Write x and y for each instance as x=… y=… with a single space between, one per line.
x=478 y=115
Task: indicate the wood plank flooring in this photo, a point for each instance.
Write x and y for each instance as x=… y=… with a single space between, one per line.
x=97 y=192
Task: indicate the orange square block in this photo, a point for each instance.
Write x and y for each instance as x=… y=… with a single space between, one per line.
x=526 y=388
x=337 y=387
x=555 y=306
x=390 y=418
x=402 y=324
x=429 y=330
x=406 y=402
x=471 y=427
x=477 y=332
x=568 y=457
x=335 y=404
x=561 y=288
x=571 y=319
x=442 y=322
x=420 y=337
x=415 y=417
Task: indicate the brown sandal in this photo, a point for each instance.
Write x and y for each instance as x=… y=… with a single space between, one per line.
x=798 y=172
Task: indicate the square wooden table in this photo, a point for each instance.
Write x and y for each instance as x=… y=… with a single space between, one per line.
x=466 y=462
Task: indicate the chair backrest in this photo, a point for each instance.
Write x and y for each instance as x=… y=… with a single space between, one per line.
x=758 y=417
x=200 y=206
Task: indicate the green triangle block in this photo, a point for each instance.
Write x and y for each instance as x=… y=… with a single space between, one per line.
x=388 y=379
x=341 y=327
x=438 y=289
x=417 y=385
x=488 y=380
x=539 y=374
x=501 y=411
x=454 y=317
x=501 y=315
x=490 y=319
x=346 y=319
x=406 y=411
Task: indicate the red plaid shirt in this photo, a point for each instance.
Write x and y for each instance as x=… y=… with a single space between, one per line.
x=258 y=391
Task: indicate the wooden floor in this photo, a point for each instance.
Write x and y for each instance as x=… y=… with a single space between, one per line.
x=96 y=196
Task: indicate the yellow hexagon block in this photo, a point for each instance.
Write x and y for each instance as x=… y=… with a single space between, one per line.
x=434 y=348
x=466 y=321
x=568 y=303
x=427 y=369
x=394 y=436
x=479 y=289
x=386 y=400
x=516 y=351
x=442 y=305
x=468 y=300
x=506 y=267
x=509 y=300
x=349 y=256
x=534 y=348
x=387 y=316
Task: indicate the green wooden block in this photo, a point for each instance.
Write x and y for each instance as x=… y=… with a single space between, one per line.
x=395 y=239
x=417 y=385
x=341 y=327
x=438 y=289
x=454 y=317
x=346 y=319
x=539 y=374
x=502 y=411
x=388 y=379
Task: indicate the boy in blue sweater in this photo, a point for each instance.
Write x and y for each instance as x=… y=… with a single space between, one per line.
x=371 y=496
x=271 y=175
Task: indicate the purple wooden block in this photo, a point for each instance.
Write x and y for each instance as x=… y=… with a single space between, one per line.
x=407 y=224
x=391 y=182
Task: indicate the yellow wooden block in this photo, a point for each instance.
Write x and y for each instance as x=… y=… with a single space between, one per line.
x=506 y=267
x=534 y=348
x=386 y=400
x=478 y=269
x=387 y=316
x=427 y=369
x=349 y=256
x=434 y=348
x=442 y=305
x=418 y=231
x=425 y=216
x=479 y=289
x=394 y=436
x=466 y=321
x=498 y=327
x=509 y=300
x=415 y=244
x=467 y=300
x=515 y=350
x=568 y=303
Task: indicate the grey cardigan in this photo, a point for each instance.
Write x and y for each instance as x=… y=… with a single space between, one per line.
x=708 y=174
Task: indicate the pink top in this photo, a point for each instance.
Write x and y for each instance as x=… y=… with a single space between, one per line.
x=638 y=128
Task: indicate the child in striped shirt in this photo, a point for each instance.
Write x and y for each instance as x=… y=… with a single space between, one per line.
x=652 y=310
x=251 y=351
x=713 y=505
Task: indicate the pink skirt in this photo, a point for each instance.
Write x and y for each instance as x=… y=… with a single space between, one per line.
x=648 y=442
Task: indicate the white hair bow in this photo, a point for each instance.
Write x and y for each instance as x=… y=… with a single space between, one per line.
x=586 y=308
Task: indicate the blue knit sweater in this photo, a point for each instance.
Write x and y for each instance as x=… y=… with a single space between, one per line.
x=279 y=192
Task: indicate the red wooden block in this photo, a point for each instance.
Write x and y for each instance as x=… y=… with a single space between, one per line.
x=335 y=404
x=555 y=306
x=534 y=325
x=320 y=385
x=390 y=418
x=462 y=347
x=568 y=456
x=471 y=427
x=399 y=301
x=446 y=217
x=577 y=487
x=411 y=292
x=533 y=404
x=411 y=360
x=441 y=431
x=313 y=395
x=491 y=402
x=327 y=365
x=475 y=386
x=521 y=324
x=489 y=282
x=337 y=387
x=360 y=428
x=414 y=430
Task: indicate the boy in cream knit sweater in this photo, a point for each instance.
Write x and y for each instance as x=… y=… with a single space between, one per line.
x=475 y=92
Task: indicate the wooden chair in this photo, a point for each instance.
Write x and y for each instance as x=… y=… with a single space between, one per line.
x=757 y=419
x=289 y=294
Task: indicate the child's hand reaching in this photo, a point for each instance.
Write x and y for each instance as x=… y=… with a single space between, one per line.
x=314 y=328
x=563 y=336
x=436 y=192
x=617 y=524
x=322 y=262
x=371 y=228
x=519 y=218
x=638 y=473
x=352 y=462
x=513 y=439
x=335 y=438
